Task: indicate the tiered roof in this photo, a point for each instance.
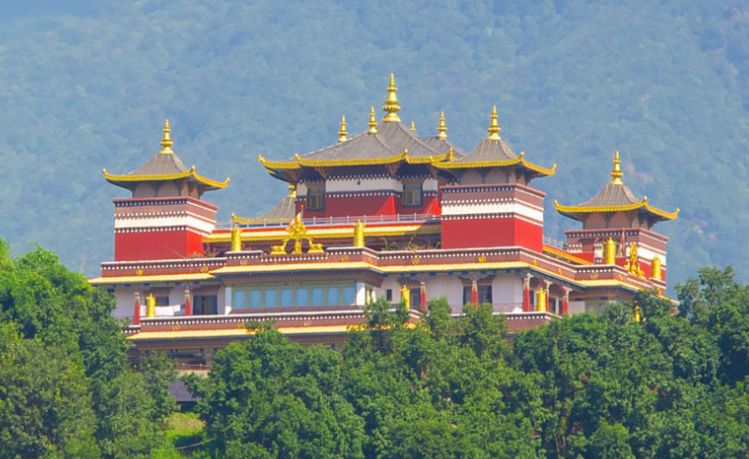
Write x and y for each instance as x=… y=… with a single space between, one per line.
x=493 y=151
x=164 y=166
x=616 y=197
x=389 y=142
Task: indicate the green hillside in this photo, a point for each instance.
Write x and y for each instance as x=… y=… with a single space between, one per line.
x=87 y=87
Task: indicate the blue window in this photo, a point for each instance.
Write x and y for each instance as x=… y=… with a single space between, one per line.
x=286 y=296
x=317 y=296
x=333 y=296
x=349 y=295
x=271 y=298
x=302 y=296
x=240 y=299
x=256 y=298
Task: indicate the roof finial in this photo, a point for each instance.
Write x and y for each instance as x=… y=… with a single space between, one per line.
x=372 y=121
x=391 y=106
x=442 y=128
x=494 y=128
x=342 y=132
x=413 y=127
x=166 y=140
x=616 y=171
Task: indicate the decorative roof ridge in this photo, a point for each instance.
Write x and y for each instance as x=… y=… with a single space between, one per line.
x=466 y=163
x=130 y=177
x=641 y=204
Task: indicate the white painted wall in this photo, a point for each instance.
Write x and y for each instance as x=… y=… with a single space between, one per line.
x=507 y=289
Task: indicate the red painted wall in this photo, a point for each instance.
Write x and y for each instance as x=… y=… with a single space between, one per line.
x=157 y=245
x=355 y=206
x=496 y=232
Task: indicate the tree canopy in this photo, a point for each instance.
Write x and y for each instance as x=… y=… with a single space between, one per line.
x=66 y=388
x=672 y=385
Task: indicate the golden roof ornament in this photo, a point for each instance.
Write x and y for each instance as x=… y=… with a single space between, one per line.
x=391 y=107
x=166 y=140
x=494 y=128
x=342 y=132
x=292 y=191
x=413 y=127
x=442 y=128
x=616 y=171
x=372 y=121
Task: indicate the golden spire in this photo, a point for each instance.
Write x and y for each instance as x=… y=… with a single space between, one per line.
x=372 y=121
x=391 y=106
x=494 y=128
x=236 y=238
x=616 y=171
x=166 y=140
x=342 y=132
x=442 y=128
x=413 y=127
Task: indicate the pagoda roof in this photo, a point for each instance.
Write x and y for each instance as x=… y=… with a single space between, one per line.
x=388 y=143
x=163 y=166
x=283 y=212
x=615 y=197
x=493 y=151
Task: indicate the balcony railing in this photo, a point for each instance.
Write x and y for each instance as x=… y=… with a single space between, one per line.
x=347 y=220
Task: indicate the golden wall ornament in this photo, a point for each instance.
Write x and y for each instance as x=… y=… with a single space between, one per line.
x=297 y=232
x=632 y=265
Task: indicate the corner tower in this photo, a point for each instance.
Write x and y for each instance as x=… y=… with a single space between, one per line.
x=617 y=228
x=165 y=217
x=490 y=203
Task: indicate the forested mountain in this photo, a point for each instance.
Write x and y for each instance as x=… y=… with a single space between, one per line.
x=87 y=86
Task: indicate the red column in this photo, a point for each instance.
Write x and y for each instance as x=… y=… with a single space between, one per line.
x=566 y=302
x=136 y=309
x=527 y=293
x=423 y=297
x=474 y=292
x=188 y=302
x=547 y=284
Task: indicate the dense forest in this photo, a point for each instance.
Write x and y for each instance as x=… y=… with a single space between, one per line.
x=674 y=384
x=86 y=85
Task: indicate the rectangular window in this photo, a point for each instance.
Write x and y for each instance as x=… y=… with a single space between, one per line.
x=256 y=298
x=240 y=299
x=349 y=295
x=302 y=296
x=205 y=304
x=389 y=295
x=317 y=296
x=162 y=300
x=333 y=296
x=412 y=194
x=315 y=198
x=286 y=296
x=415 y=297
x=271 y=298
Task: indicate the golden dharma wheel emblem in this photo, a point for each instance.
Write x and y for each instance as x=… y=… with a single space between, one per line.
x=415 y=260
x=345 y=258
x=203 y=268
x=482 y=259
x=535 y=262
x=139 y=272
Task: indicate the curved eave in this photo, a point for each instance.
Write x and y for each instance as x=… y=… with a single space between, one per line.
x=576 y=212
x=278 y=167
x=126 y=180
x=519 y=161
